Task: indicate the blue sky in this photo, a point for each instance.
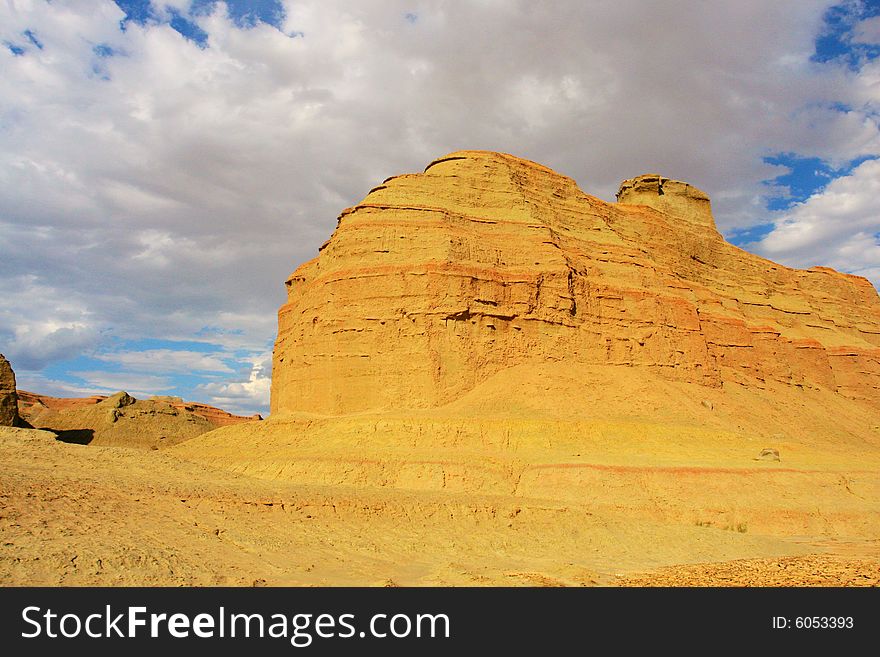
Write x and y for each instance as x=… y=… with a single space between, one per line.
x=165 y=165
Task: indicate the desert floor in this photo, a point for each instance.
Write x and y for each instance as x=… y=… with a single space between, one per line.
x=86 y=515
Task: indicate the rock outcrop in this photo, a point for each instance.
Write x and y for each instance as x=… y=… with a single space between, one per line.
x=671 y=197
x=439 y=281
x=31 y=404
x=214 y=415
x=485 y=328
x=8 y=397
x=122 y=420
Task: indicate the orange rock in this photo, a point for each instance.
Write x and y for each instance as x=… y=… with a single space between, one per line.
x=216 y=416
x=30 y=403
x=438 y=281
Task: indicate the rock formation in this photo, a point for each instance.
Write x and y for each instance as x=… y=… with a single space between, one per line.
x=487 y=377
x=484 y=262
x=122 y=420
x=30 y=403
x=671 y=197
x=216 y=416
x=8 y=396
x=486 y=328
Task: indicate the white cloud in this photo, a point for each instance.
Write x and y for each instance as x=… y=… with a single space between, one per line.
x=39 y=323
x=41 y=384
x=244 y=395
x=167 y=361
x=837 y=227
x=867 y=31
x=139 y=385
x=168 y=190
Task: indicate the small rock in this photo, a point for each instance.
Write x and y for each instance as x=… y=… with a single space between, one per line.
x=708 y=404
x=119 y=400
x=768 y=454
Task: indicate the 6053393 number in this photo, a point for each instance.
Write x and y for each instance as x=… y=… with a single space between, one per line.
x=823 y=622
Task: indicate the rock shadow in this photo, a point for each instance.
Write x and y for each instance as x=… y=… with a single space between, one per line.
x=75 y=436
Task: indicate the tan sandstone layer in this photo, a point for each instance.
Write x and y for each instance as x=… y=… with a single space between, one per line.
x=78 y=515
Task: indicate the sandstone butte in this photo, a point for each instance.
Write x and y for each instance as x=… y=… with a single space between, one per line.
x=438 y=281
x=487 y=376
x=485 y=327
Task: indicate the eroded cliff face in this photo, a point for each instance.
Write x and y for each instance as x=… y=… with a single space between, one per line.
x=486 y=331
x=8 y=398
x=439 y=280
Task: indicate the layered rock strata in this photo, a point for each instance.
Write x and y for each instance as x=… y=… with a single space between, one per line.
x=439 y=280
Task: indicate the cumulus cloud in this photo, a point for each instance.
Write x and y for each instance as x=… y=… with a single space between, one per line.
x=838 y=227
x=139 y=385
x=867 y=31
x=46 y=385
x=40 y=323
x=167 y=361
x=152 y=186
x=244 y=395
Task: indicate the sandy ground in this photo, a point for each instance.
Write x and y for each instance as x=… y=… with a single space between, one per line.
x=855 y=565
x=86 y=515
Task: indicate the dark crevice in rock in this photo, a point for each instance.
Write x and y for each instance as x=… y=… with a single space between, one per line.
x=445 y=159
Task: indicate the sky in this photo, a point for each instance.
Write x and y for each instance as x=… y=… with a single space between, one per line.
x=165 y=165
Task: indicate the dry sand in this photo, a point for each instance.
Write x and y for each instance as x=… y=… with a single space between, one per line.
x=453 y=499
